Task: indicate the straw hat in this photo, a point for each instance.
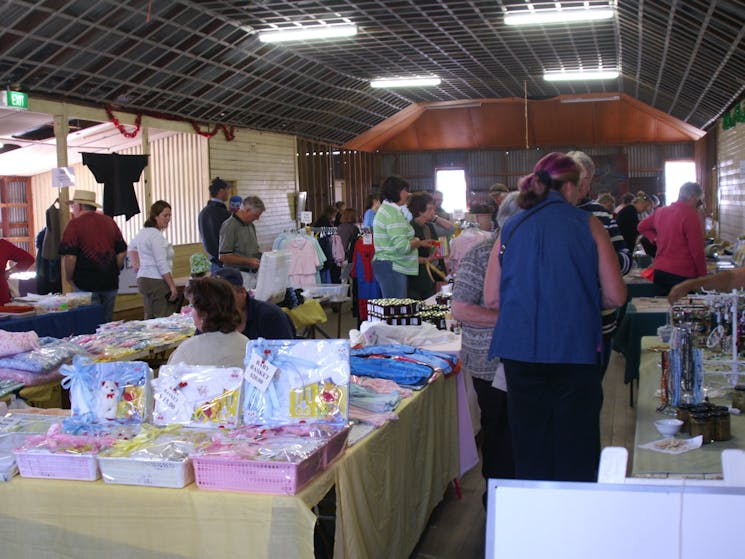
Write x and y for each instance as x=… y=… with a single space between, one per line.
x=87 y=197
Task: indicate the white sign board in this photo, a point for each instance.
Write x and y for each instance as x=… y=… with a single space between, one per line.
x=306 y=217
x=63 y=176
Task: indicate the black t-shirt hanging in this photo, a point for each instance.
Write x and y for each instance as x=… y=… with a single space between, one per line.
x=117 y=173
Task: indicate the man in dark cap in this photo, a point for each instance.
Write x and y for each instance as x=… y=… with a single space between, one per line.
x=211 y=218
x=260 y=319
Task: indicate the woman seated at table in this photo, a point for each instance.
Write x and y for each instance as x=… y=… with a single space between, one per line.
x=216 y=316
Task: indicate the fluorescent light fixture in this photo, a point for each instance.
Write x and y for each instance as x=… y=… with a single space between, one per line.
x=568 y=15
x=446 y=106
x=580 y=76
x=591 y=99
x=308 y=33
x=414 y=81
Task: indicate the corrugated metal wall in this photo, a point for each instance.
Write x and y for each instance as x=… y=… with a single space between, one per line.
x=322 y=168
x=731 y=156
x=179 y=176
x=259 y=164
x=486 y=167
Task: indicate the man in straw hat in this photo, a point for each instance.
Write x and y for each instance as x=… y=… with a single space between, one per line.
x=93 y=251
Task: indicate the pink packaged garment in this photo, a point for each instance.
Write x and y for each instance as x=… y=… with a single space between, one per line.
x=28 y=378
x=381 y=386
x=17 y=342
x=373 y=418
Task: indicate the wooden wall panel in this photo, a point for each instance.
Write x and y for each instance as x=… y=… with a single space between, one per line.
x=260 y=164
x=500 y=123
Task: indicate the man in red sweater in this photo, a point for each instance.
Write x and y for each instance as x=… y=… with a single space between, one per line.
x=679 y=235
x=11 y=253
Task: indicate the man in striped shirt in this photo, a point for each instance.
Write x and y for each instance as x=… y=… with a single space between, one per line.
x=587 y=172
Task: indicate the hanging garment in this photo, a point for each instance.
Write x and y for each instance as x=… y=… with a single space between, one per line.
x=367 y=286
x=50 y=245
x=117 y=173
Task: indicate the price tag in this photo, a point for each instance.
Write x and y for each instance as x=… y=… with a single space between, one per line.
x=171 y=397
x=306 y=217
x=259 y=372
x=457 y=214
x=367 y=239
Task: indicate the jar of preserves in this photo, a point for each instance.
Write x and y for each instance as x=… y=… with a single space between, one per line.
x=683 y=413
x=722 y=431
x=738 y=397
x=702 y=424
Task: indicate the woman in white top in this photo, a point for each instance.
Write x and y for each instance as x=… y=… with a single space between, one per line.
x=152 y=256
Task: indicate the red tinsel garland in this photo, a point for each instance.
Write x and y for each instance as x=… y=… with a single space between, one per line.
x=120 y=126
x=228 y=132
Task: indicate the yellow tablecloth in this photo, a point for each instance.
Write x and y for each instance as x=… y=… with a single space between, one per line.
x=387 y=486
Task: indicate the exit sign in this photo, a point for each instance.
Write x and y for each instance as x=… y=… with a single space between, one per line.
x=14 y=100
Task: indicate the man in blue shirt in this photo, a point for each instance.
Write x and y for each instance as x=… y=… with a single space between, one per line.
x=211 y=218
x=260 y=319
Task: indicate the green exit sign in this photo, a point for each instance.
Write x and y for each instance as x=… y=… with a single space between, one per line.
x=14 y=100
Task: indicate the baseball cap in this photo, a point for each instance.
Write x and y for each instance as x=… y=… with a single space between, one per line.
x=235 y=202
x=231 y=275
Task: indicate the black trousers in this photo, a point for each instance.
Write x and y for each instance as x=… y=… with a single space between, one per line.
x=665 y=281
x=554 y=413
x=496 y=446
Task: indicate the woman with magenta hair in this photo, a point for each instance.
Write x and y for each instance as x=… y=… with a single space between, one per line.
x=550 y=273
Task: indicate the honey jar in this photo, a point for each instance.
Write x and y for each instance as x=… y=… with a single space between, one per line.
x=702 y=424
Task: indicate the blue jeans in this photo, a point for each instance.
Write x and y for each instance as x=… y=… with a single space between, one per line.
x=392 y=284
x=107 y=299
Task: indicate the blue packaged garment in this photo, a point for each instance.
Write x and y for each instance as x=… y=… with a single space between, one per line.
x=404 y=364
x=289 y=381
x=107 y=392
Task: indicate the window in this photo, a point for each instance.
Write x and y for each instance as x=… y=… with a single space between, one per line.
x=452 y=184
x=677 y=173
x=16 y=213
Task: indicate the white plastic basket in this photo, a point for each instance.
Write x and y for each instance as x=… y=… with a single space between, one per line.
x=150 y=473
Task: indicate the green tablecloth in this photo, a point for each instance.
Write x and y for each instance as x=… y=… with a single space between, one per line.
x=706 y=461
x=627 y=339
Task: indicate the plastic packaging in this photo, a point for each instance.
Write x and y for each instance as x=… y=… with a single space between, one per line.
x=156 y=457
x=197 y=396
x=108 y=392
x=288 y=381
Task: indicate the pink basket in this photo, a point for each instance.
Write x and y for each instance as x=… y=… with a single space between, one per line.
x=336 y=446
x=230 y=474
x=82 y=467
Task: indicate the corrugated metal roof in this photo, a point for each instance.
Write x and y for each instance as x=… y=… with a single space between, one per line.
x=203 y=61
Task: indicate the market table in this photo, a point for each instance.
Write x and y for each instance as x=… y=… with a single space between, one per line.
x=642 y=318
x=80 y=320
x=386 y=487
x=703 y=462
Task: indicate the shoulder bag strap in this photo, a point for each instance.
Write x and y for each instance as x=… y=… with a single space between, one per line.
x=523 y=217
